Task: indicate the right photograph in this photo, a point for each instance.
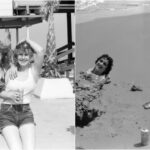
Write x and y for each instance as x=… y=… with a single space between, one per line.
x=112 y=82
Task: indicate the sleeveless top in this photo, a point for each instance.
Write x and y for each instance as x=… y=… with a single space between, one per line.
x=99 y=77
x=27 y=86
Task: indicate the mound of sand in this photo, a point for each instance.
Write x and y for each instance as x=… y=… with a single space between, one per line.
x=119 y=126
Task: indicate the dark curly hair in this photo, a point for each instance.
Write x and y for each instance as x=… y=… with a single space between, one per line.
x=5 y=58
x=23 y=47
x=110 y=63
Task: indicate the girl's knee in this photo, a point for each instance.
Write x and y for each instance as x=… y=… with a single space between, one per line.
x=28 y=148
x=15 y=147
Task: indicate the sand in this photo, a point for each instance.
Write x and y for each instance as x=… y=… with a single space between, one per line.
x=125 y=38
x=54 y=125
x=119 y=127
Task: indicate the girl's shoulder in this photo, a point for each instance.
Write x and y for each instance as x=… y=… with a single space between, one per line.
x=33 y=72
x=89 y=71
x=7 y=73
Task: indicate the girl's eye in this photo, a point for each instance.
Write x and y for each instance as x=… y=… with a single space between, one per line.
x=104 y=64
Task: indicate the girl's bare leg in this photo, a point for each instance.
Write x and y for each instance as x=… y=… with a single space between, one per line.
x=12 y=137
x=27 y=133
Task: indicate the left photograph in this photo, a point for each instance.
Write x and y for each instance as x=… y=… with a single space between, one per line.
x=37 y=74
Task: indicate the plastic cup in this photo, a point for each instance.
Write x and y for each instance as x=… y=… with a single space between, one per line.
x=144 y=137
x=20 y=100
x=21 y=96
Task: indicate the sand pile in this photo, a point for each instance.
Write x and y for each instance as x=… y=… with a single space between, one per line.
x=88 y=99
x=122 y=121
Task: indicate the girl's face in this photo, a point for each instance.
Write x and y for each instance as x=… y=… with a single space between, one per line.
x=101 y=65
x=23 y=59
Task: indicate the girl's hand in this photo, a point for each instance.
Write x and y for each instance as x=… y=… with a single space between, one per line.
x=14 y=95
x=12 y=72
x=107 y=80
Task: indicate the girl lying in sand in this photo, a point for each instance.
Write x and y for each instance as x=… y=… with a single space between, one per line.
x=88 y=90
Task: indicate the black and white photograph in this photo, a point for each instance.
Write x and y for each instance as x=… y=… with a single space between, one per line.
x=74 y=74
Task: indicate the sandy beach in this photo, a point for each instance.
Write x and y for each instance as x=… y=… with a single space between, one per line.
x=54 y=125
x=119 y=127
x=126 y=39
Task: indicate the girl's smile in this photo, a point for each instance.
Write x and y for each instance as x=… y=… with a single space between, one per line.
x=101 y=65
x=23 y=59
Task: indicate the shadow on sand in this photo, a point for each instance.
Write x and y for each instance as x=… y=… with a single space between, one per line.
x=139 y=145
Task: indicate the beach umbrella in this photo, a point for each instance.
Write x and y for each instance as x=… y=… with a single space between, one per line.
x=49 y=65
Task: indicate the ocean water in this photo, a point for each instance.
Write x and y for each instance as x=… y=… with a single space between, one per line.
x=82 y=6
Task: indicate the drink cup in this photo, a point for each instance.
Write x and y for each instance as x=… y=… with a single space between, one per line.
x=144 y=137
x=21 y=96
x=20 y=99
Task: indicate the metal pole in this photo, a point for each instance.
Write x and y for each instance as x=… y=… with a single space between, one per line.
x=17 y=36
x=69 y=34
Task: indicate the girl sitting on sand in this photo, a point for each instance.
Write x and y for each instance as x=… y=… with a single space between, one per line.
x=16 y=118
x=103 y=66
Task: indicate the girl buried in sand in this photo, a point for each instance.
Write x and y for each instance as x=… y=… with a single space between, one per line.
x=88 y=89
x=16 y=118
x=103 y=66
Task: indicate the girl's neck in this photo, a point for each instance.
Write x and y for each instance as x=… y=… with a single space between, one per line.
x=23 y=68
x=96 y=72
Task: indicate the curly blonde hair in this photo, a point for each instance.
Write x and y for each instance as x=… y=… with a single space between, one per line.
x=21 y=48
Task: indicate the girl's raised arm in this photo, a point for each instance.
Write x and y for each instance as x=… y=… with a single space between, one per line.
x=39 y=55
